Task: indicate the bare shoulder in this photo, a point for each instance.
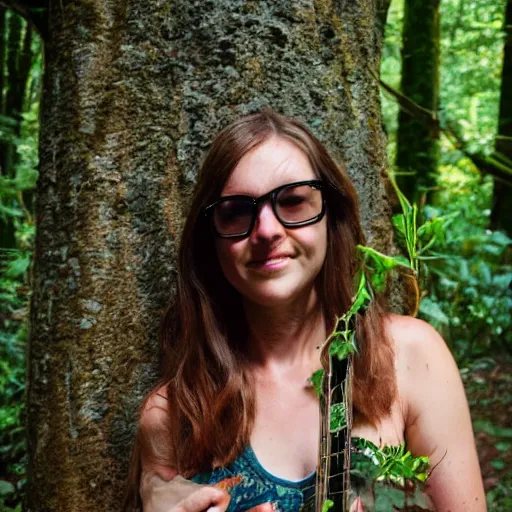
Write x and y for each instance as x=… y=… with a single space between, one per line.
x=155 y=409
x=412 y=333
x=437 y=422
x=424 y=363
x=418 y=345
x=154 y=436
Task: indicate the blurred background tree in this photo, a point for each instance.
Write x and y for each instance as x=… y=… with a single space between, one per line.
x=20 y=90
x=417 y=136
x=501 y=214
x=447 y=105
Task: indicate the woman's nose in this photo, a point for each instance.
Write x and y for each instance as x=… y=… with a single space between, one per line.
x=266 y=226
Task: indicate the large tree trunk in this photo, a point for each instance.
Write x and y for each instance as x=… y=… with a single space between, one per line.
x=417 y=140
x=501 y=215
x=134 y=92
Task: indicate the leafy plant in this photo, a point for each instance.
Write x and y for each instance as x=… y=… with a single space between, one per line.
x=469 y=297
x=390 y=463
x=17 y=184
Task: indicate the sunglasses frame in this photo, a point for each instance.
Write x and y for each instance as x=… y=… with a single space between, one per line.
x=257 y=201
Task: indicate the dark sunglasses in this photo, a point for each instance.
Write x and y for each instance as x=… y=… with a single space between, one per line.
x=294 y=205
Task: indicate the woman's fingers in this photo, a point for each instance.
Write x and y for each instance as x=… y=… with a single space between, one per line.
x=357 y=506
x=207 y=498
x=264 y=507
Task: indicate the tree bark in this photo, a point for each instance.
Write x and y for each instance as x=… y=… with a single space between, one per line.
x=134 y=92
x=417 y=141
x=501 y=214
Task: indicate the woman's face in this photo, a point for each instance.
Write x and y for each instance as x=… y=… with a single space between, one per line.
x=274 y=265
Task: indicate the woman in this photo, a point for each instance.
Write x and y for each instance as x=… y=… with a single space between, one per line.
x=266 y=264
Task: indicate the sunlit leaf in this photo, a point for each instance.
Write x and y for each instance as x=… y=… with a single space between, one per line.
x=432 y=309
x=316 y=380
x=327 y=505
x=338 y=419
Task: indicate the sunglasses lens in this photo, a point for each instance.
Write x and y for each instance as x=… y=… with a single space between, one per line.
x=298 y=204
x=233 y=217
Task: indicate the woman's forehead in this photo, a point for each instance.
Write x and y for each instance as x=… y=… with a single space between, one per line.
x=275 y=162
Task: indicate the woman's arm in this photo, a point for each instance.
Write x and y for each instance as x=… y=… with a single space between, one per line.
x=161 y=488
x=438 y=423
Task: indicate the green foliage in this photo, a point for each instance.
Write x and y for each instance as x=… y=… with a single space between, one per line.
x=469 y=296
x=390 y=71
x=13 y=337
x=379 y=265
x=316 y=380
x=465 y=267
x=499 y=499
x=389 y=463
x=393 y=464
x=472 y=49
x=327 y=505
x=17 y=184
x=338 y=418
x=389 y=478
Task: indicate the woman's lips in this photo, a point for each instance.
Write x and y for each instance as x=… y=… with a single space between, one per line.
x=274 y=263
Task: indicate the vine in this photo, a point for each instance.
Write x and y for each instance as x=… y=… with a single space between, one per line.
x=394 y=465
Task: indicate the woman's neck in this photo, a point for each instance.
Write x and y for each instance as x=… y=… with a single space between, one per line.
x=289 y=335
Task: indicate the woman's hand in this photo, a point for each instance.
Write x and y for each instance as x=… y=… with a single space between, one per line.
x=180 y=495
x=357 y=506
x=206 y=498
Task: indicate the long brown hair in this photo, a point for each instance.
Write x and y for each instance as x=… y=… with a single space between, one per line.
x=211 y=398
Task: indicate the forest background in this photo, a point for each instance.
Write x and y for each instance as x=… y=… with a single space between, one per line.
x=446 y=92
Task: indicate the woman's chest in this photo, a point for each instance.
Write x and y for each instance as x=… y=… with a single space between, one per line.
x=286 y=430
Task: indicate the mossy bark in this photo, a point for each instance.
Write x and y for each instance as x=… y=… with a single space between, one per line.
x=501 y=215
x=417 y=140
x=134 y=92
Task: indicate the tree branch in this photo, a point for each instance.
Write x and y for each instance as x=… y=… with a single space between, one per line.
x=496 y=164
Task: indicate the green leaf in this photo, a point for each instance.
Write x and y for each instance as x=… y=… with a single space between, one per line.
x=362 y=296
x=503 y=446
x=502 y=281
x=497 y=464
x=6 y=488
x=327 y=504
x=382 y=261
x=500 y=238
x=17 y=266
x=338 y=418
x=399 y=223
x=341 y=348
x=10 y=212
x=432 y=309
x=316 y=380
x=492 y=430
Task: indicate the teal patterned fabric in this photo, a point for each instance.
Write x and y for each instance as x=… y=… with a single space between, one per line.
x=258 y=486
x=250 y=484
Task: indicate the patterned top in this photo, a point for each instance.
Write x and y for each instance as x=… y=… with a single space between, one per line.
x=251 y=484
x=387 y=478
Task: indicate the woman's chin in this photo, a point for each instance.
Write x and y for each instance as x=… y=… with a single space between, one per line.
x=278 y=296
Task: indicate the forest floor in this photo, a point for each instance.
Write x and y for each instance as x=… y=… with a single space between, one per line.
x=488 y=384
